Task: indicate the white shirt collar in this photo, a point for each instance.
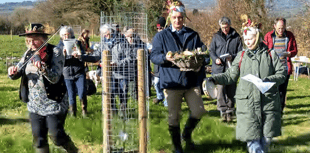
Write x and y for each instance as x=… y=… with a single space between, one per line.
x=175 y=30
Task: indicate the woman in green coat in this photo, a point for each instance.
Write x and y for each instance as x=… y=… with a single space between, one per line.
x=258 y=114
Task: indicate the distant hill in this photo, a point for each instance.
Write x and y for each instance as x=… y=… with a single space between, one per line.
x=283 y=8
x=8 y=7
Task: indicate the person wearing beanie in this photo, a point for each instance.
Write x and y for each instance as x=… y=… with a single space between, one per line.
x=258 y=113
x=160 y=24
x=179 y=84
x=159 y=92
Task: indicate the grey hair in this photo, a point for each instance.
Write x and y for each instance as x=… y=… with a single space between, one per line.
x=66 y=29
x=280 y=19
x=224 y=20
x=105 y=28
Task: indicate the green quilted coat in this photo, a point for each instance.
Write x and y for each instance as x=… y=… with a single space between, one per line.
x=258 y=115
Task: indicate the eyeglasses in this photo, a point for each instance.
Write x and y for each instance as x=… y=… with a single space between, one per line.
x=35 y=40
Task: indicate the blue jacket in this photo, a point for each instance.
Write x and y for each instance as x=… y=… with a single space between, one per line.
x=170 y=75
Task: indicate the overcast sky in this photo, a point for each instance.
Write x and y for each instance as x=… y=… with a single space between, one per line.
x=4 y=1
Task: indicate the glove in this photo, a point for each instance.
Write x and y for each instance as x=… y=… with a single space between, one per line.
x=266 y=80
x=211 y=79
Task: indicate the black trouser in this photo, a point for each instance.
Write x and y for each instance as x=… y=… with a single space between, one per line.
x=282 y=91
x=52 y=124
x=225 y=98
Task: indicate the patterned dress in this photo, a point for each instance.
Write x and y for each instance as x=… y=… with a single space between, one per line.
x=39 y=102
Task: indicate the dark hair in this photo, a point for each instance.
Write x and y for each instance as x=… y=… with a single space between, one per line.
x=161 y=21
x=280 y=19
x=83 y=32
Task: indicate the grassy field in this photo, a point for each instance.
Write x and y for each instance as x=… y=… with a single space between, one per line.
x=211 y=135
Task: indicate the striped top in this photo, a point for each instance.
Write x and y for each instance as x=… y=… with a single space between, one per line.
x=279 y=48
x=279 y=44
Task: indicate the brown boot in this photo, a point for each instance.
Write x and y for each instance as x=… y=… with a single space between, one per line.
x=224 y=117
x=72 y=110
x=156 y=101
x=84 y=107
x=229 y=117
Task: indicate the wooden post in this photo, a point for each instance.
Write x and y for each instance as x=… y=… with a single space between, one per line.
x=142 y=102
x=11 y=34
x=92 y=33
x=106 y=101
x=6 y=62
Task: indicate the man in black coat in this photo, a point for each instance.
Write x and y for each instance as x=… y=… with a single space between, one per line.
x=225 y=42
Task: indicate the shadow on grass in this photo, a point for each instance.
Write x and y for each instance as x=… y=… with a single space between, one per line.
x=98 y=93
x=207 y=99
x=297 y=97
x=209 y=146
x=297 y=112
x=297 y=106
x=214 y=113
x=294 y=120
x=294 y=141
x=12 y=121
x=9 y=88
x=209 y=102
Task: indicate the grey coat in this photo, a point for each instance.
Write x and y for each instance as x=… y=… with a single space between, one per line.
x=222 y=44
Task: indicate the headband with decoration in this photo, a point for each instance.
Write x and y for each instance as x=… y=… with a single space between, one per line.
x=250 y=27
x=176 y=6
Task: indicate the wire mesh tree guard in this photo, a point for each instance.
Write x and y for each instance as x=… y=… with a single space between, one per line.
x=125 y=73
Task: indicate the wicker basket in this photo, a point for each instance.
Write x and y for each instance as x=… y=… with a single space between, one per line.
x=192 y=64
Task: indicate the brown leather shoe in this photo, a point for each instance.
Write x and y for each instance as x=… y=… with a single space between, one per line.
x=156 y=101
x=72 y=110
x=229 y=117
x=224 y=117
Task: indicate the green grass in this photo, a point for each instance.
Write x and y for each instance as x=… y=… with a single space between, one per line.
x=211 y=135
x=16 y=46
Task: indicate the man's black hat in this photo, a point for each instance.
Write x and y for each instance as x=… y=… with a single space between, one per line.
x=34 y=28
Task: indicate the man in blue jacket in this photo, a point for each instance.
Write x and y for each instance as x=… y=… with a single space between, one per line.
x=178 y=84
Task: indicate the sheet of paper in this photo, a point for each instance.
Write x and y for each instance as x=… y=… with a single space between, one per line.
x=262 y=86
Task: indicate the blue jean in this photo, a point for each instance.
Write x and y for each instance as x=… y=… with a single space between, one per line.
x=119 y=88
x=52 y=124
x=76 y=85
x=259 y=146
x=159 y=92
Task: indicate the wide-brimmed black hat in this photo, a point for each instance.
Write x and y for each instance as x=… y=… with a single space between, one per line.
x=34 y=28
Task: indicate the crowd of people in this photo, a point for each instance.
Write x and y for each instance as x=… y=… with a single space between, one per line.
x=267 y=59
x=45 y=68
